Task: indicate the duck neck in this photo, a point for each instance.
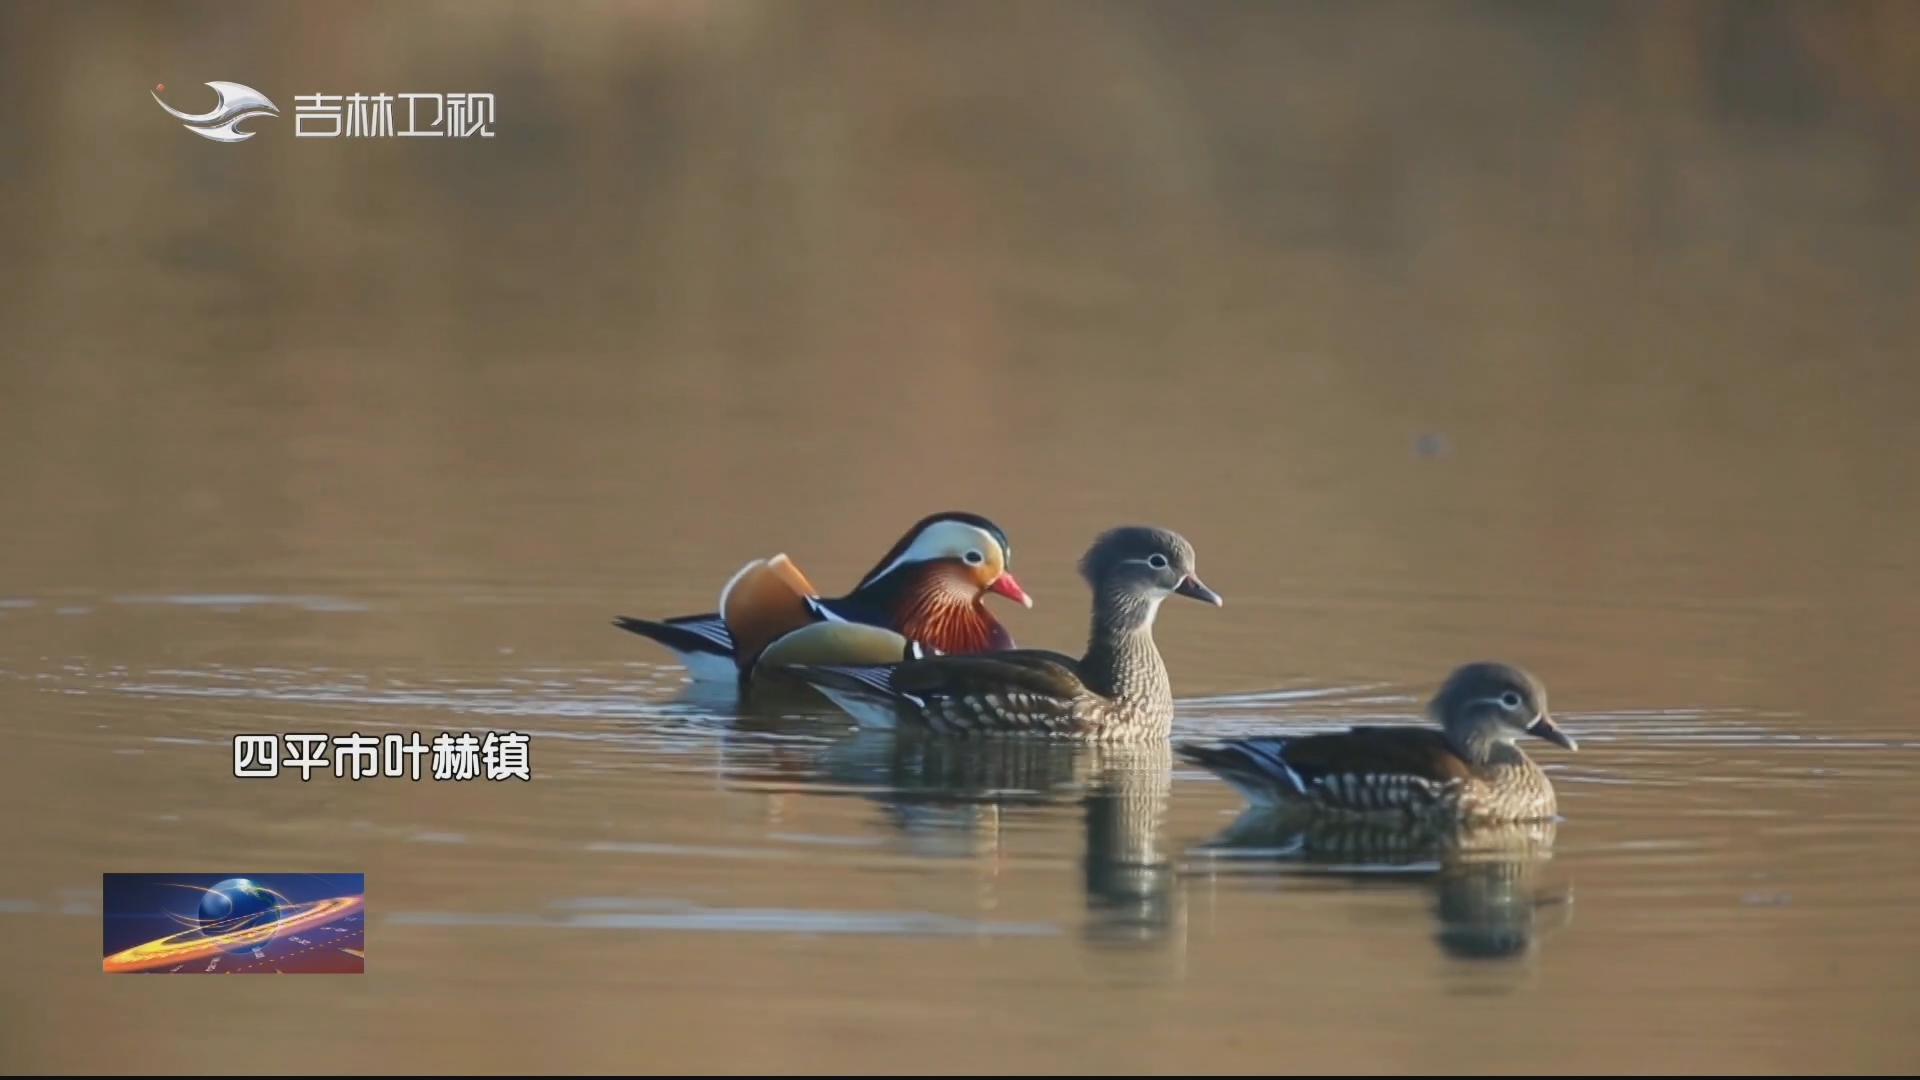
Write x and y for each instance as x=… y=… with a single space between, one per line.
x=1122 y=661
x=933 y=606
x=1483 y=744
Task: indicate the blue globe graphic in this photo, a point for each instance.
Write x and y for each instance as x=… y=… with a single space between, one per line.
x=234 y=906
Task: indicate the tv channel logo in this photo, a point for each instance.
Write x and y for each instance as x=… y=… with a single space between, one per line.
x=233 y=924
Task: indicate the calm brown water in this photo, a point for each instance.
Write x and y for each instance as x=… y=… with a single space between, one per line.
x=1581 y=339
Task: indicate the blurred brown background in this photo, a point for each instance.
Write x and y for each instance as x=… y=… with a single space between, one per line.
x=1647 y=270
x=1580 y=333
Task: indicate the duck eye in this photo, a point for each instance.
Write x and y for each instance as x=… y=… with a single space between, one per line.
x=1509 y=701
x=1157 y=561
x=974 y=558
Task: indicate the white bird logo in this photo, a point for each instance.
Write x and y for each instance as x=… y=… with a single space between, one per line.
x=237 y=103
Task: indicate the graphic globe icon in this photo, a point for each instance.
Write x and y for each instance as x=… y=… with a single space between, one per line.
x=239 y=915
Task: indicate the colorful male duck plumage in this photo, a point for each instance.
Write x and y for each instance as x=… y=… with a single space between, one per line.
x=930 y=588
x=1469 y=771
x=1117 y=692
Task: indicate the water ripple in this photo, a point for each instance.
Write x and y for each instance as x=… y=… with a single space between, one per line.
x=239 y=600
x=739 y=920
x=602 y=705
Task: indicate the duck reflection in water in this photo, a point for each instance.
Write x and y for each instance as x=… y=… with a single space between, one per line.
x=949 y=798
x=1486 y=882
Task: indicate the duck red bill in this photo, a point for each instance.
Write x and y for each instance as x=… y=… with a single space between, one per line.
x=1009 y=588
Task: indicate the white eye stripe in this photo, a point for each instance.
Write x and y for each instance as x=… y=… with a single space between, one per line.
x=1507 y=702
x=944 y=540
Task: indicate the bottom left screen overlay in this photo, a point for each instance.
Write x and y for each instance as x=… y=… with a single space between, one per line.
x=233 y=924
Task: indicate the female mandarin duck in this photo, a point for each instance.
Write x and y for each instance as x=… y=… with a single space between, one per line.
x=1117 y=692
x=1470 y=772
x=930 y=589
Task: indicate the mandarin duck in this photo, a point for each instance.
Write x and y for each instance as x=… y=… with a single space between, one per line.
x=1467 y=772
x=1117 y=692
x=929 y=589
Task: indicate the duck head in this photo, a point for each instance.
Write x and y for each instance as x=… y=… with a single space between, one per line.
x=964 y=553
x=932 y=586
x=1484 y=704
x=1142 y=564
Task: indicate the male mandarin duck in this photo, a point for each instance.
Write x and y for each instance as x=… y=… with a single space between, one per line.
x=930 y=588
x=1467 y=772
x=1118 y=692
